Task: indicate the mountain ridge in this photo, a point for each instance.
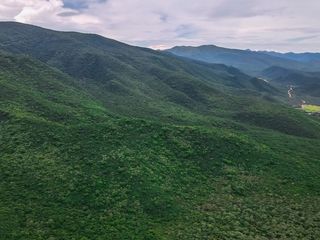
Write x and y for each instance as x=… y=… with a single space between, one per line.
x=117 y=73
x=251 y=62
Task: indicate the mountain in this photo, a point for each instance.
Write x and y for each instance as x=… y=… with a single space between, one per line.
x=251 y=62
x=306 y=84
x=291 y=76
x=172 y=149
x=132 y=80
x=313 y=58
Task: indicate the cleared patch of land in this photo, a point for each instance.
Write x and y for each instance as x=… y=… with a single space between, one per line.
x=310 y=108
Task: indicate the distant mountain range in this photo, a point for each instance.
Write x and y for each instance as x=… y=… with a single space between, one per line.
x=310 y=58
x=280 y=69
x=251 y=62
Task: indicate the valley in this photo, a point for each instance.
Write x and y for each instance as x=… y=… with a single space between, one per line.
x=290 y=92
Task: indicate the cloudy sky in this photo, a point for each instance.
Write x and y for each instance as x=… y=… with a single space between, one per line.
x=281 y=25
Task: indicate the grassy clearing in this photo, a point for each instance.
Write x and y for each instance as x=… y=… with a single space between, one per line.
x=310 y=108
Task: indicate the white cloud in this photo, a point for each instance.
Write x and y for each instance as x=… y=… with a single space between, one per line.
x=37 y=9
x=283 y=25
x=46 y=13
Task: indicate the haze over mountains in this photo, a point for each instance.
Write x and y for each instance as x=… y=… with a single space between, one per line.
x=280 y=69
x=299 y=57
x=103 y=140
x=251 y=62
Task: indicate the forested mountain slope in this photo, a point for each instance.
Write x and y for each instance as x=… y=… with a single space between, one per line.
x=132 y=80
x=82 y=158
x=306 y=85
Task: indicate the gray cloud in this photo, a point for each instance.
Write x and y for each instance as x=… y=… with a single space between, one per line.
x=185 y=31
x=68 y=14
x=281 y=25
x=80 y=4
x=75 y=4
x=242 y=9
x=300 y=39
x=163 y=17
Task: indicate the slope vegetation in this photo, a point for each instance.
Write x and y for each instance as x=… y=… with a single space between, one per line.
x=73 y=166
x=306 y=85
x=131 y=80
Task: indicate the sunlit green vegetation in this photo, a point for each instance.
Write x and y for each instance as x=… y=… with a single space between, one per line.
x=310 y=108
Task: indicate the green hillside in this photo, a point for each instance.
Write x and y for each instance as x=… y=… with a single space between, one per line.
x=172 y=149
x=131 y=80
x=34 y=90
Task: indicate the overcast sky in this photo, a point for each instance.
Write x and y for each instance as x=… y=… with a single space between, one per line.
x=281 y=25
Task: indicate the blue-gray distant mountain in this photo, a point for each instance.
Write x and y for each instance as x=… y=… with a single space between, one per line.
x=308 y=57
x=251 y=62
